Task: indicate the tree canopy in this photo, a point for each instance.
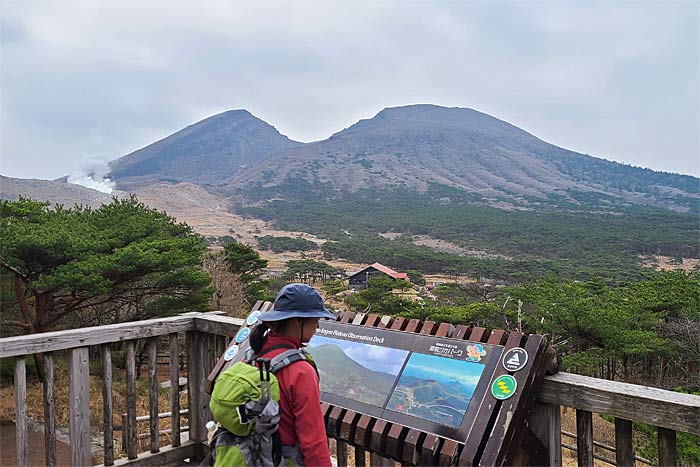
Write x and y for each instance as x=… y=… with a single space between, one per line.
x=244 y=261
x=310 y=271
x=134 y=260
x=571 y=241
x=280 y=244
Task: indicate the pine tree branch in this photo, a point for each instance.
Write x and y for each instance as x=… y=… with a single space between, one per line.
x=14 y=270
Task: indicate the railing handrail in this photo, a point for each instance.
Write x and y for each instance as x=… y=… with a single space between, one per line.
x=659 y=407
x=96 y=335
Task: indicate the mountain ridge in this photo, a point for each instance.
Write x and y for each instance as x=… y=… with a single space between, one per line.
x=454 y=175
x=223 y=144
x=400 y=147
x=54 y=191
x=414 y=146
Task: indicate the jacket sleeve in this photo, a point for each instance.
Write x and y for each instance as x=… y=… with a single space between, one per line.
x=308 y=419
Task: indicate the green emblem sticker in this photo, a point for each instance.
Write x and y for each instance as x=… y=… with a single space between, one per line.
x=504 y=387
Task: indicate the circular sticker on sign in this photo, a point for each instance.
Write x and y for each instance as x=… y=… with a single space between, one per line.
x=515 y=359
x=231 y=352
x=504 y=387
x=242 y=335
x=252 y=318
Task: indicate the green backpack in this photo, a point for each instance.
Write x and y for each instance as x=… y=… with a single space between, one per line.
x=245 y=403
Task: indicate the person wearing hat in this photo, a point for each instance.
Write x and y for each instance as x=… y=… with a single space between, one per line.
x=289 y=325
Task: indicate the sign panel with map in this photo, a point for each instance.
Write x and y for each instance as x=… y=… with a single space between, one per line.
x=420 y=381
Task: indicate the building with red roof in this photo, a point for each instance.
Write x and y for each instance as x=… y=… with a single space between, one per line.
x=360 y=279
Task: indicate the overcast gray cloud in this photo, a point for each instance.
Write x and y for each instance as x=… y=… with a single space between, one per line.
x=86 y=81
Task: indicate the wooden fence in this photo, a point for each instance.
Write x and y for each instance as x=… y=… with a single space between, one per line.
x=205 y=338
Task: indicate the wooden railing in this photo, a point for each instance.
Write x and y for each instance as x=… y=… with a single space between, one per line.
x=201 y=349
x=205 y=337
x=668 y=411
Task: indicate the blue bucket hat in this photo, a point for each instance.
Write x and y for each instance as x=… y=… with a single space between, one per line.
x=296 y=301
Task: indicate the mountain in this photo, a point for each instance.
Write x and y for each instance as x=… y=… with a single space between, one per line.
x=526 y=208
x=410 y=147
x=419 y=145
x=208 y=152
x=53 y=191
x=441 y=402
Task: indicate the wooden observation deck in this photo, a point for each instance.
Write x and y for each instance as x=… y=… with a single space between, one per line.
x=200 y=338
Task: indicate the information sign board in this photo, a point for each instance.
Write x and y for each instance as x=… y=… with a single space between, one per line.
x=422 y=398
x=419 y=381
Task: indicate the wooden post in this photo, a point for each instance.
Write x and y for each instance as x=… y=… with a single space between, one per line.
x=107 y=404
x=153 y=392
x=21 y=412
x=130 y=441
x=411 y=447
x=584 y=438
x=49 y=412
x=667 y=447
x=545 y=422
x=79 y=407
x=175 y=389
x=376 y=460
x=624 y=450
x=198 y=399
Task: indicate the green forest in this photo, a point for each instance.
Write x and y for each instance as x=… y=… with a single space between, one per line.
x=644 y=332
x=608 y=317
x=280 y=244
x=577 y=242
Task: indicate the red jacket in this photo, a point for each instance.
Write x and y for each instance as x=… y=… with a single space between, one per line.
x=301 y=419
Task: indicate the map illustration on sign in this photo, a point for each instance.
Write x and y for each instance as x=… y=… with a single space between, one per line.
x=437 y=389
x=354 y=370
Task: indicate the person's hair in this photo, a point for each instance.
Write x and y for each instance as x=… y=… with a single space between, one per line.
x=257 y=336
x=258 y=333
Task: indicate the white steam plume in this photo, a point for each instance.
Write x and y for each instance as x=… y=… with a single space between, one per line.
x=91 y=173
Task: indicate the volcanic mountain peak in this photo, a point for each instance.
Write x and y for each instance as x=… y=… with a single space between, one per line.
x=435 y=118
x=408 y=147
x=208 y=152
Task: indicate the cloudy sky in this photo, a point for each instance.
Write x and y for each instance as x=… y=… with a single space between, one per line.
x=84 y=82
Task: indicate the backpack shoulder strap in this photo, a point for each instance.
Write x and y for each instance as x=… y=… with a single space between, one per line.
x=252 y=356
x=291 y=356
x=286 y=358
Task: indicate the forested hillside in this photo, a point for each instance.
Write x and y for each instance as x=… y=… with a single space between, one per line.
x=519 y=245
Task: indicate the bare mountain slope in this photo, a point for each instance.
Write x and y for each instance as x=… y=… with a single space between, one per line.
x=416 y=145
x=237 y=155
x=55 y=192
x=208 y=152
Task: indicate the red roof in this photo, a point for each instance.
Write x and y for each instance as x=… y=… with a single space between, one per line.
x=389 y=272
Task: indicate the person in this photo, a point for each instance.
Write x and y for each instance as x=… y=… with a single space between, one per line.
x=289 y=325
